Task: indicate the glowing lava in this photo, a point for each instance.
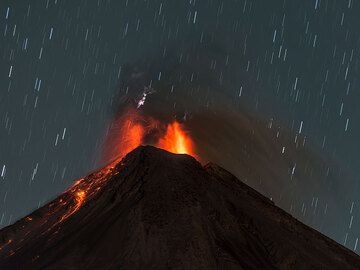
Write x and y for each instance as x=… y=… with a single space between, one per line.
x=131 y=138
x=176 y=140
x=126 y=133
x=133 y=129
x=79 y=198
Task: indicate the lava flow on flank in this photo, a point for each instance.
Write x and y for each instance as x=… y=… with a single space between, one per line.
x=131 y=131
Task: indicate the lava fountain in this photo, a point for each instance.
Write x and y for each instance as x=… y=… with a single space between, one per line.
x=176 y=140
x=133 y=129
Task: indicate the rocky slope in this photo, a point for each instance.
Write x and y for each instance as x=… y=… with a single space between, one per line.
x=157 y=210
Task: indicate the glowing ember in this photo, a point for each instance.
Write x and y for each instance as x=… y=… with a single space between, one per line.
x=80 y=196
x=7 y=243
x=79 y=199
x=176 y=140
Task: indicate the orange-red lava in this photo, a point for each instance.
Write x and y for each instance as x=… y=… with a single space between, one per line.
x=86 y=188
x=133 y=129
x=176 y=140
x=79 y=200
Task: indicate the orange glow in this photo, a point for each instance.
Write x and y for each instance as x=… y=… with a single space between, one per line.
x=79 y=199
x=130 y=138
x=7 y=243
x=125 y=134
x=133 y=129
x=176 y=140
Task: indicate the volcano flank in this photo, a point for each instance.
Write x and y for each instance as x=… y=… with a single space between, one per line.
x=158 y=210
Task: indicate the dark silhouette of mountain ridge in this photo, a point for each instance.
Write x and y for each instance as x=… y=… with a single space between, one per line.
x=157 y=210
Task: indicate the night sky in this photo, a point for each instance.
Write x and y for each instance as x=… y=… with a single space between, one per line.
x=62 y=64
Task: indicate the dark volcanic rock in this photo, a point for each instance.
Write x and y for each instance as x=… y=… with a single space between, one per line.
x=156 y=210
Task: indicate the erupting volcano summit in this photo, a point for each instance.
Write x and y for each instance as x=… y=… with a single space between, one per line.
x=132 y=129
x=158 y=210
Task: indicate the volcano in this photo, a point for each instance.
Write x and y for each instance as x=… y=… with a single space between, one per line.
x=158 y=210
